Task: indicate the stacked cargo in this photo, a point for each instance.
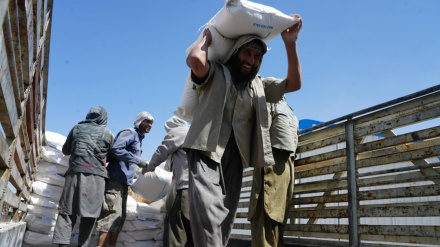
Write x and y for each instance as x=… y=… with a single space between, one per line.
x=46 y=193
x=143 y=225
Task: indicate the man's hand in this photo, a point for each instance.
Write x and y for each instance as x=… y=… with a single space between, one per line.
x=151 y=168
x=143 y=162
x=290 y=35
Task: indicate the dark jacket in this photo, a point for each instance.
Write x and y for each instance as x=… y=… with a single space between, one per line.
x=126 y=154
x=89 y=143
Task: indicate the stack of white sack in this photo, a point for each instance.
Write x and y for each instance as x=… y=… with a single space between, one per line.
x=143 y=226
x=235 y=18
x=46 y=192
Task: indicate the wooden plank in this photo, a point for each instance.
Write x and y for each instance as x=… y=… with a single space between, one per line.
x=395 y=179
x=31 y=51
x=310 y=212
x=398 y=230
x=4 y=153
x=10 y=198
x=23 y=207
x=335 y=198
x=404 y=192
x=11 y=55
x=304 y=234
x=400 y=139
x=417 y=116
x=9 y=116
x=402 y=239
x=14 y=21
x=321 y=134
x=388 y=193
x=327 y=228
x=15 y=178
x=19 y=156
x=24 y=140
x=400 y=110
x=399 y=170
x=321 y=143
x=320 y=186
x=324 y=156
x=26 y=53
x=422 y=209
x=302 y=165
x=428 y=151
x=319 y=171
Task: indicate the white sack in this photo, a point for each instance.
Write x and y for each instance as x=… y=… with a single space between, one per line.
x=54 y=155
x=239 y=17
x=142 y=211
x=159 y=235
x=153 y=186
x=47 y=190
x=51 y=168
x=53 y=179
x=159 y=205
x=145 y=224
x=39 y=211
x=38 y=239
x=43 y=201
x=143 y=234
x=39 y=224
x=146 y=243
x=189 y=101
x=128 y=226
x=55 y=140
x=123 y=238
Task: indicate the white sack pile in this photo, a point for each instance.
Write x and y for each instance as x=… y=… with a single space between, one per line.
x=143 y=225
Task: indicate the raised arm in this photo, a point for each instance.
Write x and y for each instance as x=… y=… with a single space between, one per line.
x=294 y=75
x=197 y=58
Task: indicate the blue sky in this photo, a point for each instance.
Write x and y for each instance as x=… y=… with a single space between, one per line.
x=129 y=56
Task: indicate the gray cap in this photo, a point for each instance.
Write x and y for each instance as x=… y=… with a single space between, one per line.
x=141 y=117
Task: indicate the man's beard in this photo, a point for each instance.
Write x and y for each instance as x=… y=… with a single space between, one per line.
x=237 y=74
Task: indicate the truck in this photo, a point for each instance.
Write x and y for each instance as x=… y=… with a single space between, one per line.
x=368 y=178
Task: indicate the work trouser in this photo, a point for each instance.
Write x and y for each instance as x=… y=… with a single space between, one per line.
x=214 y=192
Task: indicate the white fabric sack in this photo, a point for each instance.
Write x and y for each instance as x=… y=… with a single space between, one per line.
x=145 y=224
x=143 y=234
x=39 y=224
x=39 y=211
x=148 y=209
x=124 y=238
x=159 y=235
x=128 y=226
x=153 y=186
x=159 y=205
x=131 y=213
x=219 y=47
x=55 y=140
x=146 y=243
x=54 y=155
x=47 y=190
x=37 y=239
x=51 y=168
x=53 y=179
x=132 y=209
x=239 y=17
x=189 y=101
x=43 y=201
